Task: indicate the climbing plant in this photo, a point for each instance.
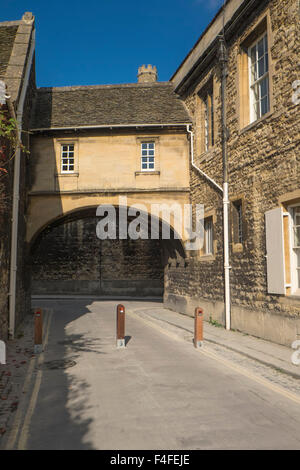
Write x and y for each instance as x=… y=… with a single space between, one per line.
x=9 y=140
x=9 y=143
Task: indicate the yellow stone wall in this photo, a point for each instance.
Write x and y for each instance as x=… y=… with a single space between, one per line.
x=106 y=165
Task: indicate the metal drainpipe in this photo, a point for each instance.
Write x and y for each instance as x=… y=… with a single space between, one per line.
x=227 y=267
x=195 y=166
x=16 y=197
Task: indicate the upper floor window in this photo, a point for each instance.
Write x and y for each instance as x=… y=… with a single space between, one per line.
x=259 y=78
x=209 y=120
x=205 y=117
x=147 y=156
x=67 y=158
x=255 y=70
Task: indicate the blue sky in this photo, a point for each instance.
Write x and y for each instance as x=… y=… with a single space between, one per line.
x=103 y=42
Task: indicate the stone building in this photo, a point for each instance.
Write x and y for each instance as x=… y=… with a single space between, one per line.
x=89 y=146
x=17 y=75
x=223 y=132
x=260 y=141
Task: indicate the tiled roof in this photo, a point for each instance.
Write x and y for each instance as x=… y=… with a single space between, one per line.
x=7 y=37
x=16 y=39
x=105 y=105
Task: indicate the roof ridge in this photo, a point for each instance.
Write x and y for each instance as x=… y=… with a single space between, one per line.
x=97 y=87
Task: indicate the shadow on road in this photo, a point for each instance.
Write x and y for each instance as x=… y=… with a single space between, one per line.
x=58 y=421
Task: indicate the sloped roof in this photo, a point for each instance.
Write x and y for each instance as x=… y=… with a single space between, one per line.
x=105 y=105
x=16 y=42
x=7 y=38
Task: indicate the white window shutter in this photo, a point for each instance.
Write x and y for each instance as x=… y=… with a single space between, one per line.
x=275 y=251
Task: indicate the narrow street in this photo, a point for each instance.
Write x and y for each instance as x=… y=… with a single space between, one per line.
x=160 y=172
x=157 y=393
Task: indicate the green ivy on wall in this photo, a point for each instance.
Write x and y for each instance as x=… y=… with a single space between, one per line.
x=9 y=139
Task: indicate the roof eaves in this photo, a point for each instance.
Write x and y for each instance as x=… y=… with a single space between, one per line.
x=198 y=41
x=109 y=126
x=232 y=11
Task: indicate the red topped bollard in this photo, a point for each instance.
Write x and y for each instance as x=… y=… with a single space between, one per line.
x=198 y=329
x=120 y=326
x=38 y=331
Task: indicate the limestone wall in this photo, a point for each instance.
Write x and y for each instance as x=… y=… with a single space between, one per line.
x=263 y=170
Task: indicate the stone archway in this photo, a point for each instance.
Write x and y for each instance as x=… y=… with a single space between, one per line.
x=44 y=209
x=66 y=257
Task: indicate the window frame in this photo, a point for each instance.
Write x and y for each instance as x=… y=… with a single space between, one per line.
x=68 y=152
x=208 y=247
x=294 y=266
x=237 y=214
x=147 y=156
x=206 y=117
x=262 y=26
x=255 y=115
x=208 y=120
x=240 y=223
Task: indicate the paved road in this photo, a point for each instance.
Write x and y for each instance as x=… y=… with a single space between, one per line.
x=158 y=393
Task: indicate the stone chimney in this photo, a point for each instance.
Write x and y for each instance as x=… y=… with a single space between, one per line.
x=147 y=74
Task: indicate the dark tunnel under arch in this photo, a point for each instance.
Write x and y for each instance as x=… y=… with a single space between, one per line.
x=66 y=257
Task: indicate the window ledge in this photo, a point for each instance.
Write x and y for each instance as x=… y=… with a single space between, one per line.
x=255 y=123
x=58 y=175
x=138 y=173
x=291 y=300
x=294 y=295
x=207 y=257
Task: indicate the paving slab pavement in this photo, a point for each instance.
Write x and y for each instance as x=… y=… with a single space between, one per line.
x=19 y=353
x=266 y=352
